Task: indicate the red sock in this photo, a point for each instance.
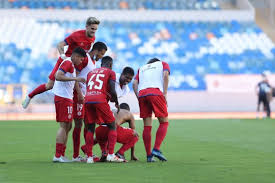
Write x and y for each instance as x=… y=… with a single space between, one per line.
x=85 y=133
x=63 y=150
x=83 y=148
x=76 y=141
x=103 y=146
x=89 y=143
x=160 y=135
x=128 y=145
x=38 y=90
x=58 y=149
x=147 y=139
x=112 y=137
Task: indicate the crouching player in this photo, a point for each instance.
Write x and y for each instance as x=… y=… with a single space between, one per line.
x=128 y=137
x=63 y=89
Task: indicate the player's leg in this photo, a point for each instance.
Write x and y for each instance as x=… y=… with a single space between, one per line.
x=101 y=133
x=78 y=114
x=160 y=110
x=266 y=106
x=63 y=109
x=128 y=137
x=61 y=142
x=43 y=87
x=68 y=128
x=91 y=118
x=146 y=109
x=258 y=107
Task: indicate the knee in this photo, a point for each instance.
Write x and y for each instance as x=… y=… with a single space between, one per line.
x=91 y=127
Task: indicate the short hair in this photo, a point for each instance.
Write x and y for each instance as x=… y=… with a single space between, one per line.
x=106 y=60
x=124 y=106
x=92 y=20
x=128 y=70
x=80 y=51
x=99 y=46
x=152 y=60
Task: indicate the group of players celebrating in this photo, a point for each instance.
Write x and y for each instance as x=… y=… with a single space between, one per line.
x=85 y=93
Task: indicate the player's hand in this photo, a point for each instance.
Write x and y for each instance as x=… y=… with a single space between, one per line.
x=80 y=98
x=82 y=80
x=135 y=133
x=134 y=158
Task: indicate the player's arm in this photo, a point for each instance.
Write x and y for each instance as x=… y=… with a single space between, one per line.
x=135 y=84
x=135 y=87
x=60 y=48
x=133 y=126
x=113 y=93
x=165 y=83
x=80 y=96
x=60 y=76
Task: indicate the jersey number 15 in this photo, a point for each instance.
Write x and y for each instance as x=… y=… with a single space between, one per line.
x=96 y=78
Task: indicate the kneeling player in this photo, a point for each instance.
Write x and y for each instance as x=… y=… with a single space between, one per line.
x=126 y=136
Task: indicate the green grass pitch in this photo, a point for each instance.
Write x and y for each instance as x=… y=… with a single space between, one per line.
x=202 y=151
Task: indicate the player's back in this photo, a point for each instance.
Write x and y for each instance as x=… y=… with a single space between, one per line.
x=151 y=76
x=78 y=39
x=98 y=85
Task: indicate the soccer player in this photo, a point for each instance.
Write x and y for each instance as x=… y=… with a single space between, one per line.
x=150 y=86
x=264 y=92
x=97 y=52
x=97 y=110
x=63 y=89
x=81 y=38
x=126 y=136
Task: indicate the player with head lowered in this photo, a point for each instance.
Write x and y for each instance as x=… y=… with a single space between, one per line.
x=126 y=136
x=89 y=64
x=65 y=81
x=100 y=81
x=82 y=38
x=150 y=87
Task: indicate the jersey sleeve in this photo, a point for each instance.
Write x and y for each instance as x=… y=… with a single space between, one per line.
x=67 y=66
x=166 y=67
x=137 y=76
x=70 y=39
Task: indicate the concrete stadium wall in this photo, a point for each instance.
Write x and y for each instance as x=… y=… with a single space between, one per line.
x=177 y=102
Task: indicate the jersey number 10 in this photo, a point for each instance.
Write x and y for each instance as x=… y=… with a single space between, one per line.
x=97 y=78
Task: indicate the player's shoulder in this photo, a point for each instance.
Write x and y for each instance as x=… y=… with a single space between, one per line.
x=164 y=63
x=79 y=33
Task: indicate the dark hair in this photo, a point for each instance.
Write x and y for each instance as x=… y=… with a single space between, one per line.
x=99 y=46
x=128 y=70
x=106 y=60
x=92 y=20
x=124 y=106
x=152 y=60
x=80 y=51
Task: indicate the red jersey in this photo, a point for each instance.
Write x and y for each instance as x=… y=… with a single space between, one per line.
x=98 y=85
x=78 y=39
